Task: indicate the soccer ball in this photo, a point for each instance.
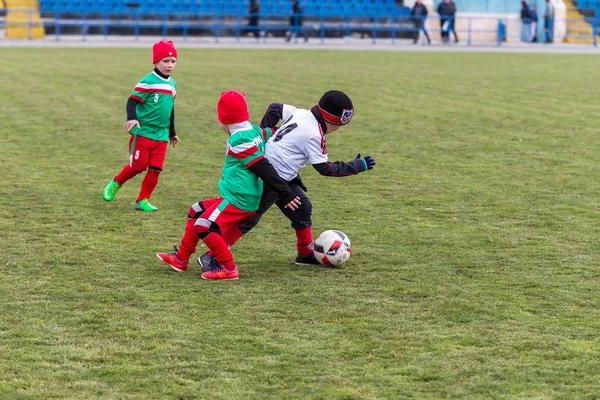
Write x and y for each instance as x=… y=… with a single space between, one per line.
x=332 y=248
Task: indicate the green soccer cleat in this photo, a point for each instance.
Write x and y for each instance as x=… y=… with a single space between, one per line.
x=144 y=205
x=110 y=191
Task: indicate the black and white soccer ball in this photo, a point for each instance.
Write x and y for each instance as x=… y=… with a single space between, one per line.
x=332 y=248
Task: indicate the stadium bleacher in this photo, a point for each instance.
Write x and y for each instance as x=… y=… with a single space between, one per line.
x=589 y=8
x=230 y=7
x=368 y=17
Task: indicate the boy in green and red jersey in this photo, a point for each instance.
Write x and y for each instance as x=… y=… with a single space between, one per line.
x=240 y=187
x=151 y=123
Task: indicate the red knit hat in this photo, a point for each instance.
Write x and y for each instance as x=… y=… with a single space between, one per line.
x=232 y=107
x=163 y=49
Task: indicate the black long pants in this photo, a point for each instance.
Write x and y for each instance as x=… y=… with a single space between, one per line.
x=444 y=33
x=253 y=26
x=420 y=26
x=300 y=218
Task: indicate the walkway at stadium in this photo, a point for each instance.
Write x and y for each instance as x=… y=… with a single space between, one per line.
x=313 y=44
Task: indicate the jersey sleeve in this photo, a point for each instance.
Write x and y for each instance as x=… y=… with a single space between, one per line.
x=244 y=148
x=287 y=112
x=140 y=92
x=174 y=84
x=316 y=150
x=267 y=133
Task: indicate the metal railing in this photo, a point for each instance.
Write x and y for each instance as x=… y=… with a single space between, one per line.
x=472 y=30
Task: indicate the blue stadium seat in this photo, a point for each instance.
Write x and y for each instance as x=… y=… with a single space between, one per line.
x=99 y=5
x=60 y=5
x=169 y=6
x=206 y=6
x=195 y=5
x=266 y=8
x=46 y=5
x=88 y=6
x=181 y=6
x=312 y=8
x=111 y=6
x=240 y=7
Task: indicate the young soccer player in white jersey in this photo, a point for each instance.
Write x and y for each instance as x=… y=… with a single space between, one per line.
x=151 y=124
x=300 y=139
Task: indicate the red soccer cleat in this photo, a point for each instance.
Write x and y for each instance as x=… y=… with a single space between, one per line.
x=173 y=261
x=221 y=273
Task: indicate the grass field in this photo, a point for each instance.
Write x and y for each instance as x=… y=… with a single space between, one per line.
x=475 y=269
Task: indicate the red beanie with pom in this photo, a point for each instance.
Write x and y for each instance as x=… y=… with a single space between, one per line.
x=163 y=49
x=232 y=107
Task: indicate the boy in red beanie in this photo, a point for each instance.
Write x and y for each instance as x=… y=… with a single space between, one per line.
x=151 y=124
x=240 y=187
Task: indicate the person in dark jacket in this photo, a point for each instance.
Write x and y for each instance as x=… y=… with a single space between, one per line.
x=445 y=11
x=524 y=10
x=533 y=16
x=525 y=22
x=296 y=20
x=452 y=21
x=254 y=10
x=549 y=21
x=419 y=13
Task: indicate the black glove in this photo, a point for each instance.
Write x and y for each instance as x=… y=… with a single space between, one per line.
x=367 y=162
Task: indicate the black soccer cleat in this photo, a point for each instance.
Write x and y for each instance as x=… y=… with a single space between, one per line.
x=208 y=263
x=307 y=260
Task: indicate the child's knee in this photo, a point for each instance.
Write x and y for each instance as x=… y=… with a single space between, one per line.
x=195 y=210
x=204 y=226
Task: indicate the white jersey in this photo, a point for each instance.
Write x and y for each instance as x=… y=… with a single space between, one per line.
x=299 y=140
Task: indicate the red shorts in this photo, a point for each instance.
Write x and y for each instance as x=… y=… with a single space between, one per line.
x=222 y=213
x=145 y=152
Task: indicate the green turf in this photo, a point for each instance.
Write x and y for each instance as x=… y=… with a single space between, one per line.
x=475 y=269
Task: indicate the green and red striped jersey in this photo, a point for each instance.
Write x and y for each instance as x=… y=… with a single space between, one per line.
x=157 y=99
x=240 y=186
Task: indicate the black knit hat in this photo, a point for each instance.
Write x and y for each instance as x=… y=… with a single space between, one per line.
x=336 y=107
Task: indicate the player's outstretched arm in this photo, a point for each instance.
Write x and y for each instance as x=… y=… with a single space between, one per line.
x=342 y=168
x=272 y=116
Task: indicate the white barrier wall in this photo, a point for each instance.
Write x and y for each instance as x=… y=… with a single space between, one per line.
x=484 y=25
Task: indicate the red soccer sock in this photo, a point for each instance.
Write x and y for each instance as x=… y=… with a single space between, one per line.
x=148 y=184
x=231 y=236
x=126 y=174
x=217 y=245
x=304 y=241
x=190 y=240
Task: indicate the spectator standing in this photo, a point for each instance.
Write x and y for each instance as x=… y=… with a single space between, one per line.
x=549 y=22
x=419 y=14
x=296 y=21
x=444 y=12
x=525 y=22
x=254 y=10
x=452 y=21
x=533 y=16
